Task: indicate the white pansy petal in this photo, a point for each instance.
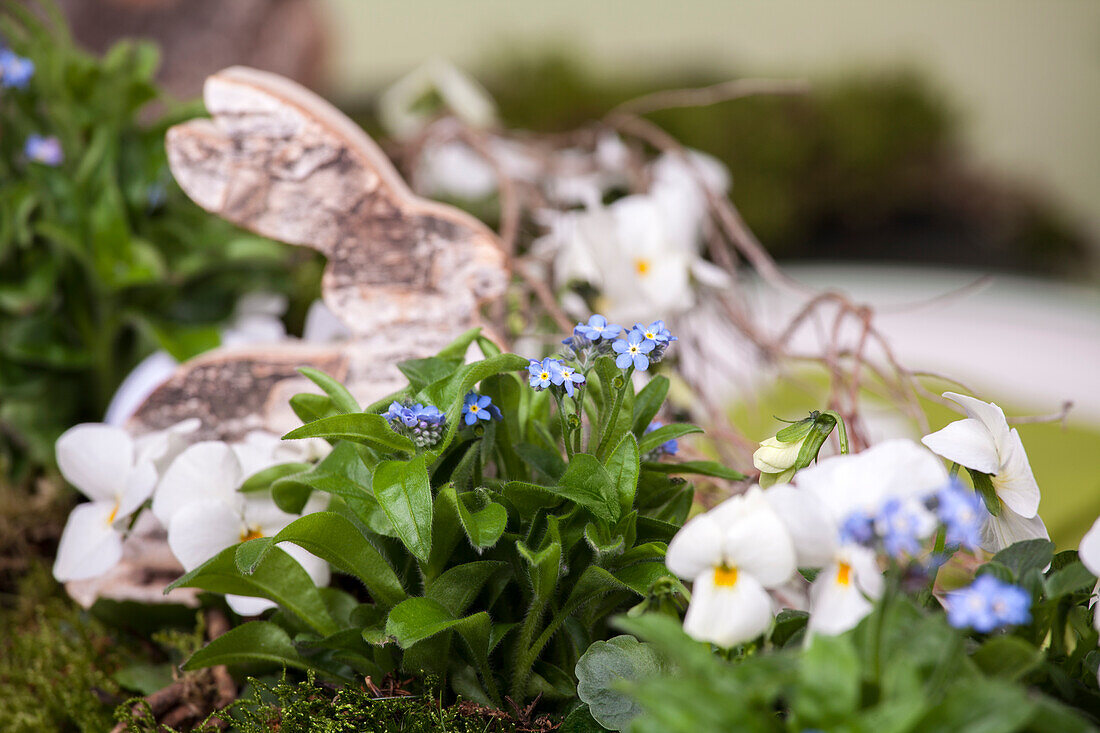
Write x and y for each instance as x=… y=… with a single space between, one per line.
x=966 y=442
x=90 y=546
x=1015 y=482
x=248 y=606
x=809 y=525
x=989 y=414
x=696 y=547
x=261 y=512
x=206 y=470
x=202 y=529
x=839 y=596
x=139 y=487
x=1008 y=528
x=317 y=568
x=1089 y=550
x=96 y=459
x=727 y=615
x=162 y=446
x=757 y=542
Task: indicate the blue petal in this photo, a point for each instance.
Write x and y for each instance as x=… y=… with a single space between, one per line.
x=622 y=361
x=641 y=362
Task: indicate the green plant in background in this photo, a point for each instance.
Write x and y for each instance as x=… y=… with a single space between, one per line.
x=102 y=258
x=904 y=668
x=495 y=536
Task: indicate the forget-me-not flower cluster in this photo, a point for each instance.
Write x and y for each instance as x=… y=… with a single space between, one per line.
x=988 y=604
x=15 y=70
x=45 y=150
x=642 y=346
x=423 y=424
x=668 y=448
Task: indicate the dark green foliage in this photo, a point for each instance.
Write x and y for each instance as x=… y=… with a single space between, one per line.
x=102 y=259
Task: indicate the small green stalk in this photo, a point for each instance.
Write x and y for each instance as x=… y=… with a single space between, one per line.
x=841 y=430
x=609 y=426
x=522 y=670
x=578 y=401
x=565 y=436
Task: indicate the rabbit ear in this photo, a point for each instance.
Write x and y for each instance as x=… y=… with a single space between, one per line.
x=279 y=160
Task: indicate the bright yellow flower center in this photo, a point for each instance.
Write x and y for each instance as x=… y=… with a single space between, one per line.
x=252 y=534
x=114 y=513
x=474 y=408
x=544 y=375
x=641 y=266
x=725 y=577
x=843 y=574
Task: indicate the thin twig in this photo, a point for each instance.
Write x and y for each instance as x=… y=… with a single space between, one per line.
x=713 y=94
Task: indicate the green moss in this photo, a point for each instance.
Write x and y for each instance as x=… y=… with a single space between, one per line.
x=55 y=662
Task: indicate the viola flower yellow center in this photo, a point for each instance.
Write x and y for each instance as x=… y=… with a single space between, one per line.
x=252 y=534
x=725 y=577
x=641 y=266
x=113 y=514
x=843 y=574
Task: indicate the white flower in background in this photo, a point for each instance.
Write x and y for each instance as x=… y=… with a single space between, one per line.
x=322 y=325
x=984 y=443
x=642 y=251
x=405 y=107
x=162 y=446
x=1089 y=553
x=454 y=169
x=732 y=554
x=257 y=319
x=102 y=462
x=827 y=496
x=197 y=500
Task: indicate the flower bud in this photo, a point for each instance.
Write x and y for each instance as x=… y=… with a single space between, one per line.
x=776 y=460
x=794 y=447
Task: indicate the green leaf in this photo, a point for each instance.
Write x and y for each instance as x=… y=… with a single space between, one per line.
x=359 y=427
x=702 y=468
x=587 y=483
x=983 y=484
x=457 y=349
x=335 y=539
x=184 y=341
x=251 y=642
x=484 y=526
x=648 y=403
x=404 y=492
x=623 y=466
x=1022 y=557
x=144 y=679
x=339 y=394
x=544 y=567
x=1008 y=657
x=262 y=480
x=278 y=578
x=547 y=462
x=416 y=619
x=456 y=589
x=1069 y=579
x=829 y=682
x=979 y=705
x=663 y=434
x=310 y=407
x=600 y=670
x=422 y=372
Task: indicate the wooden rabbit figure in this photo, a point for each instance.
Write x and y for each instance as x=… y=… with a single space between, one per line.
x=406 y=275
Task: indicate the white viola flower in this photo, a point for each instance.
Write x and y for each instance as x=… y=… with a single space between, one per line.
x=162 y=446
x=257 y=319
x=401 y=109
x=732 y=554
x=984 y=442
x=322 y=325
x=842 y=593
x=830 y=492
x=102 y=462
x=197 y=500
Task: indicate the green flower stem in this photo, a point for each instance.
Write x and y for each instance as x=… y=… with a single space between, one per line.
x=524 y=662
x=609 y=427
x=954 y=472
x=841 y=429
x=937 y=551
x=880 y=619
x=565 y=433
x=578 y=401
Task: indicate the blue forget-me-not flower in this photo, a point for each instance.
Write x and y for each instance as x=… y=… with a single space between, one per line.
x=988 y=604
